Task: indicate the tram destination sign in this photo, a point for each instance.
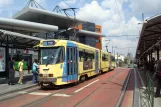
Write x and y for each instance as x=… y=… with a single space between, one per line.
x=46 y=43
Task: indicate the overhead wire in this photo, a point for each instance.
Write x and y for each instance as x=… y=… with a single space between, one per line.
x=70 y=7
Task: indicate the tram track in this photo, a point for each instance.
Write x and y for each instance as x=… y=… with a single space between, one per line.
x=42 y=99
x=118 y=78
x=51 y=95
x=90 y=95
x=18 y=93
x=46 y=97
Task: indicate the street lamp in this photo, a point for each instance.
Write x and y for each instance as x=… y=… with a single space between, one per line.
x=113 y=48
x=106 y=48
x=107 y=44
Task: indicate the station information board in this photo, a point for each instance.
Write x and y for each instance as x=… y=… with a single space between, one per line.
x=2 y=59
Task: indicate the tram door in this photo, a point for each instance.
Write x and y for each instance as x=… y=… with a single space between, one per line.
x=72 y=64
x=96 y=62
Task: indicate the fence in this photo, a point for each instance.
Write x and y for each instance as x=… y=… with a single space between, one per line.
x=147 y=92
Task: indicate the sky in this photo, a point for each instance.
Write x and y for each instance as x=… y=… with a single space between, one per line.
x=117 y=17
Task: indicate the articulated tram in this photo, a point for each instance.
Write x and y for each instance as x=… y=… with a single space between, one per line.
x=63 y=62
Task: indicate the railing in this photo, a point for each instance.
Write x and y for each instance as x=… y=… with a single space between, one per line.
x=147 y=92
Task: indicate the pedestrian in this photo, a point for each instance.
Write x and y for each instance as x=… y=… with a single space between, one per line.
x=21 y=71
x=158 y=76
x=11 y=72
x=35 y=71
x=28 y=65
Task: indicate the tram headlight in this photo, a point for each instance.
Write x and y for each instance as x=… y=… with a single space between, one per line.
x=41 y=75
x=50 y=75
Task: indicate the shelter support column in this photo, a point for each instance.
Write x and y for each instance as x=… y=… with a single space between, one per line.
x=157 y=53
x=12 y=52
x=7 y=58
x=151 y=56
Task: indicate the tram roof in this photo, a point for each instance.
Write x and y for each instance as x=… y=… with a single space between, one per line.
x=149 y=36
x=47 y=17
x=25 y=26
x=17 y=40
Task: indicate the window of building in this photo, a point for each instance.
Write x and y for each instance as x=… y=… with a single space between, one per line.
x=97 y=30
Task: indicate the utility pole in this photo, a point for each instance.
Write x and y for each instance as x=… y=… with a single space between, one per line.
x=113 y=47
x=107 y=48
x=143 y=17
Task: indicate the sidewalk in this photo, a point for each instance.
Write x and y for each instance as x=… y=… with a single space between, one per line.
x=5 y=88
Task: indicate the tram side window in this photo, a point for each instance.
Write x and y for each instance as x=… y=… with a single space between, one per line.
x=104 y=57
x=61 y=56
x=80 y=56
x=88 y=56
x=113 y=58
x=85 y=56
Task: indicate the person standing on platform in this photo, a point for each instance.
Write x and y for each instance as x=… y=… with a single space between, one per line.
x=21 y=72
x=35 y=71
x=158 y=75
x=11 y=72
x=28 y=66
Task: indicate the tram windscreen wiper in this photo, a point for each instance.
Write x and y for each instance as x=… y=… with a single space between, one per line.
x=50 y=58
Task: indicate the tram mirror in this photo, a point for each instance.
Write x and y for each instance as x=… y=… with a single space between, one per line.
x=35 y=48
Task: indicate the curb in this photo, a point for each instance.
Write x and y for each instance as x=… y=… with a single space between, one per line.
x=124 y=89
x=18 y=89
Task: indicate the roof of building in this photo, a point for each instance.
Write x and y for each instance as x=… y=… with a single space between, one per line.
x=47 y=17
x=25 y=26
x=89 y=33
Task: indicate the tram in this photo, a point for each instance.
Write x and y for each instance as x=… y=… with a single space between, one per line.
x=63 y=62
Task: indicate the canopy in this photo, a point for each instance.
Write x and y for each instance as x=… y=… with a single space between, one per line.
x=17 y=40
x=150 y=36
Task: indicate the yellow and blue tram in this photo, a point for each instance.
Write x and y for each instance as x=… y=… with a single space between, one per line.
x=64 y=62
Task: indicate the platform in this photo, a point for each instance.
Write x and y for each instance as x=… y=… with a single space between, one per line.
x=5 y=88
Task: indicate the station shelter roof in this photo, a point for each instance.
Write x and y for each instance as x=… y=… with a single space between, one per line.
x=150 y=36
x=17 y=40
x=47 y=17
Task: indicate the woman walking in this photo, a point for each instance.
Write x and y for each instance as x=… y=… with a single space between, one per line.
x=35 y=71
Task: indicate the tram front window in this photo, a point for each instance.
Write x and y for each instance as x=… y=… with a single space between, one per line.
x=50 y=55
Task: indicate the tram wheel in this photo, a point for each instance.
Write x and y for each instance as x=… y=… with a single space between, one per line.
x=83 y=78
x=42 y=86
x=76 y=83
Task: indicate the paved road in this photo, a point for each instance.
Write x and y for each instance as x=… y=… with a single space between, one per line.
x=102 y=91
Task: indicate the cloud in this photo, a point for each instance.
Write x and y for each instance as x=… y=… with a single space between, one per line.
x=93 y=12
x=122 y=46
x=106 y=14
x=146 y=6
x=4 y=3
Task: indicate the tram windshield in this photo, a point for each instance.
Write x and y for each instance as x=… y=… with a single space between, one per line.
x=51 y=55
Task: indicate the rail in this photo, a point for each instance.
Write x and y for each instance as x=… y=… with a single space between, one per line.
x=147 y=92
